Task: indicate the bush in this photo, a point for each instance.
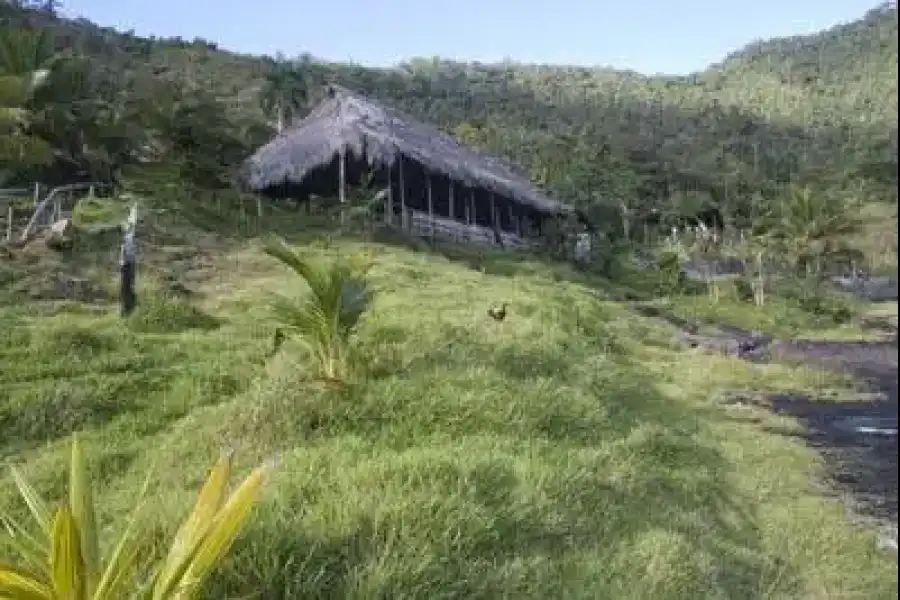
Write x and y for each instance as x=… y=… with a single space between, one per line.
x=671 y=276
x=92 y=212
x=744 y=289
x=812 y=298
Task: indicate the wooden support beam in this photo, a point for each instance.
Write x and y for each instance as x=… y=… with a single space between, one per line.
x=389 y=199
x=430 y=204
x=342 y=180
x=495 y=220
x=404 y=221
x=450 y=201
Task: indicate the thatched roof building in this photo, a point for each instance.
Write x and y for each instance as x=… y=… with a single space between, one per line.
x=347 y=133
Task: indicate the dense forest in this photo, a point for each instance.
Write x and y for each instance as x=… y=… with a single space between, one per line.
x=782 y=119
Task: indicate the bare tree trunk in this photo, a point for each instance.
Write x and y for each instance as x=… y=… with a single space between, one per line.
x=128 y=265
x=279 y=124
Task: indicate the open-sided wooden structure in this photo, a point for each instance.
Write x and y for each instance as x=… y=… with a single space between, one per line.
x=427 y=176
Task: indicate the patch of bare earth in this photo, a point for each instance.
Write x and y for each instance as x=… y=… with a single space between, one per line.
x=857 y=438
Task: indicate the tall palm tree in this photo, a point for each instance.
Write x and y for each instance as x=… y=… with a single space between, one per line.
x=285 y=92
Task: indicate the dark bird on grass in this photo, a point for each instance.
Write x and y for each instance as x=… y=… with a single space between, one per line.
x=498 y=313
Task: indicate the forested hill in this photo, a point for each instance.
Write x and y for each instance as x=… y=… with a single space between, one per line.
x=853 y=65
x=817 y=111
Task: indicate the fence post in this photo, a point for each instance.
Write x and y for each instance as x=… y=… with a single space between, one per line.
x=37 y=193
x=9 y=221
x=128 y=264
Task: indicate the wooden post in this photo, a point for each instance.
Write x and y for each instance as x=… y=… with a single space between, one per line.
x=450 y=201
x=128 y=265
x=494 y=220
x=9 y=220
x=37 y=193
x=430 y=205
x=404 y=221
x=342 y=181
x=389 y=199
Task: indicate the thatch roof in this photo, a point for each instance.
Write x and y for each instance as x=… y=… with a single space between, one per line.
x=349 y=122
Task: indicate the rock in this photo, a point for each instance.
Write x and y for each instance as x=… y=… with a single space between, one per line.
x=887 y=540
x=61 y=235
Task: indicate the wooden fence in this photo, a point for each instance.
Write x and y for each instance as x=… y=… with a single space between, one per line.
x=27 y=210
x=441 y=228
x=15 y=202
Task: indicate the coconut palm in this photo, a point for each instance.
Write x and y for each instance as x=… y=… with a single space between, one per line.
x=324 y=318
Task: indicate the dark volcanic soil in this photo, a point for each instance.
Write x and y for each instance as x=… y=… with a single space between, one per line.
x=858 y=439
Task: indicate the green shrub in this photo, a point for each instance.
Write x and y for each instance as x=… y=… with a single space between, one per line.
x=671 y=278
x=744 y=289
x=812 y=298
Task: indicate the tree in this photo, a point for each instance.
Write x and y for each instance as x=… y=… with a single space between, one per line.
x=810 y=226
x=284 y=93
x=25 y=65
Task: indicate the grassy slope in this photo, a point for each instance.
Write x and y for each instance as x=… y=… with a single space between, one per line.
x=569 y=451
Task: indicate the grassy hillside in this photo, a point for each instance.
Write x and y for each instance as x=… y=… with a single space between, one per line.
x=568 y=451
x=573 y=450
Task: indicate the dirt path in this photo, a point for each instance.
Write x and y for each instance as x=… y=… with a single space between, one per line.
x=858 y=439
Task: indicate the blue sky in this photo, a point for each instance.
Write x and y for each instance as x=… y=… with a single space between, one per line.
x=649 y=36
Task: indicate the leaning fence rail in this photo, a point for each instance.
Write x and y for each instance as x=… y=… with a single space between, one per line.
x=51 y=207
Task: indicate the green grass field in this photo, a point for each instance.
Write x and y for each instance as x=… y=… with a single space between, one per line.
x=570 y=451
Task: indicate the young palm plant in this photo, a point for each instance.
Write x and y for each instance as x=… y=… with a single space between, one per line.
x=324 y=319
x=62 y=560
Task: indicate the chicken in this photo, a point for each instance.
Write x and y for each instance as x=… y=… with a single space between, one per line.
x=498 y=313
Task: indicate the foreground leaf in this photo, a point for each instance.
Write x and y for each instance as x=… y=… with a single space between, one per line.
x=195 y=527
x=65 y=561
x=81 y=504
x=16 y=585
